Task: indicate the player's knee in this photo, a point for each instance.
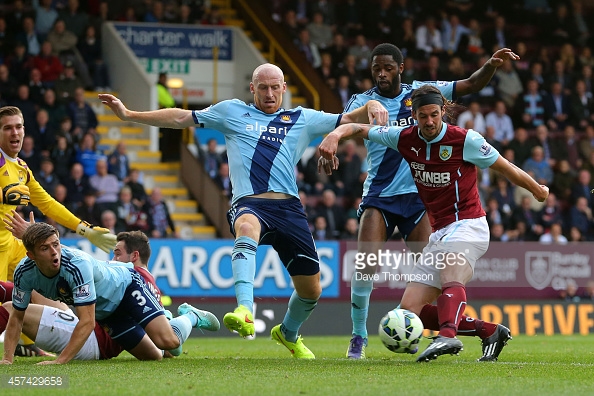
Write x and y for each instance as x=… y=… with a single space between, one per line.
x=8 y=306
x=246 y=229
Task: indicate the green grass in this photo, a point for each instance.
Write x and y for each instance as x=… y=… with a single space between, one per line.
x=558 y=365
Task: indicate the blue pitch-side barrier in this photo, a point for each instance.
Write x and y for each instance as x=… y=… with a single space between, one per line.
x=203 y=268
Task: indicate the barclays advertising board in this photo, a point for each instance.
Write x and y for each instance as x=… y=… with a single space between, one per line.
x=159 y=42
x=203 y=268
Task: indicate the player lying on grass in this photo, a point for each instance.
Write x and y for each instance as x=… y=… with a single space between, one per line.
x=443 y=160
x=46 y=314
x=111 y=292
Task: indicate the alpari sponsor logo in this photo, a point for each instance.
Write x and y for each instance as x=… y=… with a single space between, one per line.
x=402 y=122
x=432 y=179
x=269 y=130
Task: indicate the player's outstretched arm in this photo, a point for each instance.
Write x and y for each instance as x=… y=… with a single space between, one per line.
x=80 y=334
x=329 y=145
x=98 y=236
x=372 y=113
x=163 y=118
x=13 y=332
x=480 y=78
x=521 y=178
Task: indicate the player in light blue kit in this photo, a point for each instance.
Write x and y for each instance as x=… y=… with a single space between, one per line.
x=390 y=197
x=113 y=293
x=264 y=143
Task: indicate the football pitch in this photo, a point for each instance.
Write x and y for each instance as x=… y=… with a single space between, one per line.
x=556 y=365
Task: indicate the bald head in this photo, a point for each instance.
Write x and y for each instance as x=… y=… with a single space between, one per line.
x=268 y=86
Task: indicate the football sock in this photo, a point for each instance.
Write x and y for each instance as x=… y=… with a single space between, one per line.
x=243 y=262
x=6 y=291
x=3 y=319
x=182 y=326
x=298 y=312
x=468 y=326
x=360 y=294
x=450 y=308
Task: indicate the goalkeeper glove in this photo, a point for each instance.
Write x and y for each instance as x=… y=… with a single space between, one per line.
x=16 y=194
x=98 y=236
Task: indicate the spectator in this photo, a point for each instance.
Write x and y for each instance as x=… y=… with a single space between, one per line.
x=138 y=192
x=581 y=106
x=320 y=231
x=119 y=164
x=29 y=37
x=530 y=106
x=20 y=64
x=106 y=186
x=535 y=73
x=64 y=45
x=361 y=51
x=587 y=143
x=380 y=22
x=333 y=213
x=526 y=215
x=453 y=34
x=327 y=70
x=490 y=138
x=26 y=105
x=566 y=148
x=91 y=52
x=455 y=70
x=212 y=16
x=581 y=188
x=550 y=213
x=290 y=24
x=586 y=76
x=560 y=75
x=62 y=156
x=36 y=87
x=8 y=84
x=473 y=113
x=542 y=138
x=343 y=89
x=160 y=223
x=67 y=84
x=75 y=20
x=428 y=38
x=350 y=68
x=348 y=178
x=509 y=85
x=556 y=107
x=88 y=155
x=48 y=64
x=350 y=17
x=561 y=26
x=110 y=221
x=46 y=176
x=504 y=127
x=320 y=32
x=554 y=236
x=29 y=155
x=77 y=185
x=563 y=179
x=582 y=37
x=351 y=230
x=84 y=120
x=496 y=36
x=408 y=75
x=130 y=216
x=338 y=50
x=406 y=39
x=575 y=235
x=589 y=291
x=45 y=16
x=223 y=181
x=309 y=49
x=495 y=215
x=475 y=48
x=307 y=208
x=55 y=111
x=44 y=135
x=212 y=159
x=538 y=167
x=580 y=216
x=187 y=16
x=432 y=71
x=89 y=211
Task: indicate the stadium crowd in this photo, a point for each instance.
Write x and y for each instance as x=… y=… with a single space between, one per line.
x=538 y=111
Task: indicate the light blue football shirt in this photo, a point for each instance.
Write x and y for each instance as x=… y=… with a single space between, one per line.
x=386 y=176
x=263 y=149
x=82 y=280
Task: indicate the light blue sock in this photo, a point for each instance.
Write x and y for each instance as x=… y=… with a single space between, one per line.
x=243 y=262
x=298 y=312
x=182 y=327
x=360 y=293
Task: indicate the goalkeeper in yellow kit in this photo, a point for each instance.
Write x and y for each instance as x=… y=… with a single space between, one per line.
x=19 y=187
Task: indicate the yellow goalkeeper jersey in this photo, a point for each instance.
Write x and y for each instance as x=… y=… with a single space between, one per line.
x=16 y=171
